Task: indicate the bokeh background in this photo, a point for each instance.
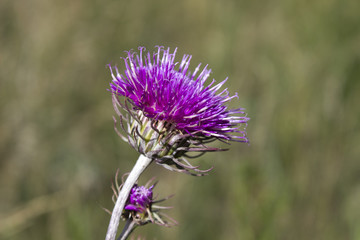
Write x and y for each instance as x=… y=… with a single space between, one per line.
x=294 y=64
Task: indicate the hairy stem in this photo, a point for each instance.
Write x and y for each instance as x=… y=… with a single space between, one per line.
x=139 y=167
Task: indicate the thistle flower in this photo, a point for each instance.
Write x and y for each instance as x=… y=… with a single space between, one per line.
x=167 y=111
x=141 y=207
x=140 y=198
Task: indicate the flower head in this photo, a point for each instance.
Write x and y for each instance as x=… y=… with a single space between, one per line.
x=141 y=207
x=171 y=110
x=140 y=198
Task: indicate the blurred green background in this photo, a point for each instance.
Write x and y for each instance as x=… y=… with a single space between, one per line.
x=294 y=64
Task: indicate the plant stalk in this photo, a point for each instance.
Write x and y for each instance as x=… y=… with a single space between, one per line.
x=129 y=227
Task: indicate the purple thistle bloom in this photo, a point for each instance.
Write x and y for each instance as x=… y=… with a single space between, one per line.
x=140 y=198
x=140 y=206
x=172 y=110
x=161 y=92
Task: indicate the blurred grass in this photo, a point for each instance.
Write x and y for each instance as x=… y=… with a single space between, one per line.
x=295 y=65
